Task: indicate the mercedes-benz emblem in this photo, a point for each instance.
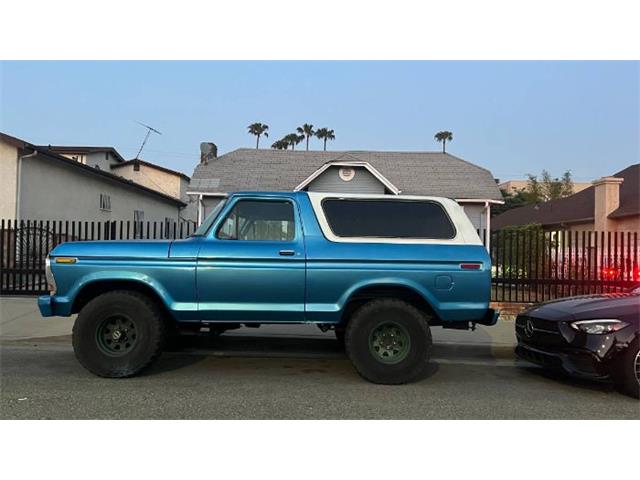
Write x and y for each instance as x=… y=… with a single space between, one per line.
x=528 y=328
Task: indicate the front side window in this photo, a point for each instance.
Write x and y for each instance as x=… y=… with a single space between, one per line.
x=259 y=220
x=388 y=219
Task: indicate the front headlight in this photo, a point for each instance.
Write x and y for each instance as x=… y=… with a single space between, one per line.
x=51 y=281
x=599 y=326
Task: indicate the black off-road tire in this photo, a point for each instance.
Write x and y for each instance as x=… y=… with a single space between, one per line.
x=625 y=370
x=368 y=319
x=150 y=333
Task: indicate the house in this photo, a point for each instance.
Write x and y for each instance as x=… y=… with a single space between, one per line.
x=76 y=183
x=515 y=186
x=154 y=176
x=393 y=173
x=609 y=204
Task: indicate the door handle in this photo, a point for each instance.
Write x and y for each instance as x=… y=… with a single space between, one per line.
x=287 y=253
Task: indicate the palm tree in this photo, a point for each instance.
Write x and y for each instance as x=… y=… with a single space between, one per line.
x=307 y=131
x=325 y=134
x=444 y=137
x=293 y=139
x=280 y=145
x=258 y=129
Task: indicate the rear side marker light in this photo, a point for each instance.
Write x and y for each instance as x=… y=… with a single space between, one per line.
x=470 y=266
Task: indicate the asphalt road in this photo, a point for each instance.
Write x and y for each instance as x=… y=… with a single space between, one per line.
x=251 y=378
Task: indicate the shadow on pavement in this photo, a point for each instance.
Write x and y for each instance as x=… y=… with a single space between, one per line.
x=257 y=346
x=604 y=386
x=168 y=363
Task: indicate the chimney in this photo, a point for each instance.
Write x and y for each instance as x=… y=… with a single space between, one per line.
x=607 y=199
x=208 y=151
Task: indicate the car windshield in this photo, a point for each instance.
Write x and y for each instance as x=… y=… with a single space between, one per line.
x=206 y=225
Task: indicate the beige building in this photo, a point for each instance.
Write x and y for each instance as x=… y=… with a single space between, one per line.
x=154 y=176
x=514 y=186
x=609 y=204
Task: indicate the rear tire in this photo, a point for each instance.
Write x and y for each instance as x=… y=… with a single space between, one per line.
x=627 y=370
x=389 y=341
x=118 y=334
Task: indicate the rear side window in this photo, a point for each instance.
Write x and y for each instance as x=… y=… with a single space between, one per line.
x=388 y=219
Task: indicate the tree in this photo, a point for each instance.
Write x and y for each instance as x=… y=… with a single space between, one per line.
x=567 y=184
x=538 y=190
x=325 y=134
x=258 y=129
x=307 y=131
x=293 y=139
x=444 y=136
x=280 y=145
x=520 y=198
x=549 y=188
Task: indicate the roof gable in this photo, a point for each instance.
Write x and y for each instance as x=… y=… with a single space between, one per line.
x=342 y=162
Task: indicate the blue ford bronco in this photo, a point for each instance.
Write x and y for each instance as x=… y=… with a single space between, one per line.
x=378 y=270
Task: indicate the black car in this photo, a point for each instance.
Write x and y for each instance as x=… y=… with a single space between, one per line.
x=591 y=336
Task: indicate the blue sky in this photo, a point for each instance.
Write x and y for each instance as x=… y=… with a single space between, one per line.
x=510 y=117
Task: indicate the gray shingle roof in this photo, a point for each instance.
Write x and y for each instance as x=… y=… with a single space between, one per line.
x=414 y=173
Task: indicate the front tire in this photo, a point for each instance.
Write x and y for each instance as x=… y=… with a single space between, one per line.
x=389 y=341
x=118 y=334
x=627 y=371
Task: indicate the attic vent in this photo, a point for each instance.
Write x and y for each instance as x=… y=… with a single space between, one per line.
x=347 y=173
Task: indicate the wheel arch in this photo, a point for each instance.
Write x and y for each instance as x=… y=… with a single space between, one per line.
x=389 y=289
x=97 y=287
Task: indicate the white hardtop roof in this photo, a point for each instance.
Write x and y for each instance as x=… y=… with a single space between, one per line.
x=377 y=196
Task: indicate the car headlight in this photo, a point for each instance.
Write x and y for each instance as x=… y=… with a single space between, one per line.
x=51 y=281
x=599 y=326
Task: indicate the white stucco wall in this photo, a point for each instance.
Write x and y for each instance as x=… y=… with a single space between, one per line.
x=165 y=182
x=53 y=191
x=8 y=179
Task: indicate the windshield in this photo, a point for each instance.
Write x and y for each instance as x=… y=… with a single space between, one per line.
x=206 y=225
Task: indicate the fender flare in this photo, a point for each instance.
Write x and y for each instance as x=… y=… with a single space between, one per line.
x=426 y=295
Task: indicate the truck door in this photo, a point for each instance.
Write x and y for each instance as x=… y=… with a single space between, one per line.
x=251 y=267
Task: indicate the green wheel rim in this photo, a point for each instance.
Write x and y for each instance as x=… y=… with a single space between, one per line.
x=117 y=335
x=389 y=343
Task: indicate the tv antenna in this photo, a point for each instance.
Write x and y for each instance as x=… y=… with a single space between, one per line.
x=146 y=137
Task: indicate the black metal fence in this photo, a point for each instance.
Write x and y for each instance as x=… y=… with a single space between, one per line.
x=24 y=245
x=532 y=265
x=529 y=265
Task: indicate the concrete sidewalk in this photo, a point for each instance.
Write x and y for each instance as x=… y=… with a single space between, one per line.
x=20 y=319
